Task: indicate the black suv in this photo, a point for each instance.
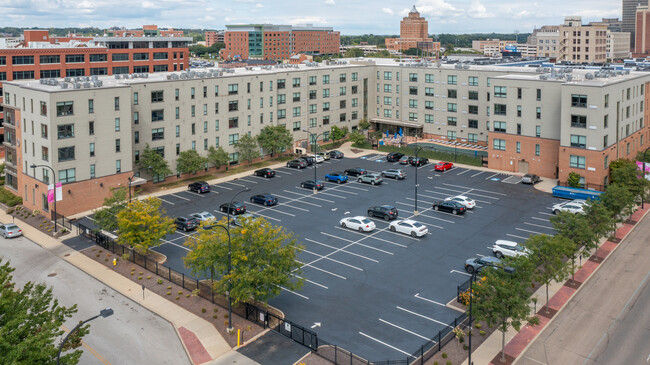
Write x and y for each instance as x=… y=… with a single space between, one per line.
x=235 y=208
x=199 y=187
x=336 y=154
x=419 y=161
x=387 y=212
x=394 y=156
x=186 y=224
x=356 y=171
x=265 y=172
x=310 y=160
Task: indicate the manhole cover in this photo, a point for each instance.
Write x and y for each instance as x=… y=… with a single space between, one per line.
x=52 y=274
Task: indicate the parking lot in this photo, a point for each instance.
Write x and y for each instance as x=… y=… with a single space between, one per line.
x=379 y=294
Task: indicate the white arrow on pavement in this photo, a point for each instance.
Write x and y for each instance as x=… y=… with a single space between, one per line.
x=316 y=324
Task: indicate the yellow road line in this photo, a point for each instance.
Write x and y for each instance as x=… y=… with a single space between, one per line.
x=90 y=349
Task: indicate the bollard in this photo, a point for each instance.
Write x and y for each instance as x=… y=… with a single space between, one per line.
x=114 y=262
x=238 y=337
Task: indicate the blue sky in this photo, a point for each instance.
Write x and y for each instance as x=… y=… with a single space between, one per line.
x=346 y=16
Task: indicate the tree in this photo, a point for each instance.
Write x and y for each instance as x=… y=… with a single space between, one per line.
x=190 y=161
x=573 y=180
x=218 y=157
x=547 y=257
x=618 y=199
x=142 y=225
x=502 y=298
x=30 y=324
x=263 y=259
x=364 y=124
x=106 y=218
x=338 y=133
x=274 y=139
x=574 y=227
x=354 y=52
x=357 y=138
x=626 y=173
x=152 y=162
x=247 y=148
x=600 y=219
x=639 y=157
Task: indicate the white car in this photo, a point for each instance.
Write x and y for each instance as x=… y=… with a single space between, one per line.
x=467 y=202
x=358 y=223
x=508 y=248
x=240 y=219
x=574 y=206
x=408 y=226
x=319 y=158
x=203 y=216
x=325 y=155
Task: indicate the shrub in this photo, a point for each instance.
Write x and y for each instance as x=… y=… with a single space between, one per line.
x=141 y=273
x=444 y=355
x=215 y=317
x=169 y=293
x=203 y=310
x=132 y=273
x=178 y=297
x=225 y=316
x=249 y=327
x=10 y=199
x=126 y=257
x=180 y=292
x=196 y=292
x=448 y=362
x=105 y=259
x=465 y=347
x=215 y=310
x=169 y=287
x=187 y=295
x=98 y=255
x=159 y=281
x=478 y=325
x=481 y=332
x=139 y=277
x=573 y=180
x=148 y=276
x=10 y=210
x=435 y=363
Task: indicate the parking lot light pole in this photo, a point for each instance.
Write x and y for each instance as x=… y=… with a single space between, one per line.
x=130 y=181
x=230 y=259
x=415 y=210
x=33 y=166
x=315 y=145
x=103 y=313
x=509 y=270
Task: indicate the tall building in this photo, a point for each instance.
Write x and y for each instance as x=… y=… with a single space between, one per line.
x=413 y=33
x=629 y=17
x=212 y=37
x=278 y=42
x=582 y=43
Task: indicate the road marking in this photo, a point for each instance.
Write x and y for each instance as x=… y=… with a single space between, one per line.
x=352 y=187
x=308 y=196
x=90 y=349
x=290 y=206
x=423 y=316
x=491 y=176
x=176 y=244
x=539 y=225
x=460 y=272
x=467 y=187
x=168 y=202
x=309 y=281
x=233 y=183
x=319 y=269
x=223 y=187
x=265 y=216
x=405 y=330
x=464 y=171
x=250 y=181
x=91 y=218
x=540 y=219
x=478 y=173
x=293 y=292
x=539 y=362
x=516 y=179
x=375 y=238
x=515 y=236
x=459 y=192
x=358 y=243
x=429 y=300
x=283 y=172
x=544 y=213
x=278 y=211
x=348 y=252
x=385 y=344
x=291 y=200
x=333 y=260
x=525 y=230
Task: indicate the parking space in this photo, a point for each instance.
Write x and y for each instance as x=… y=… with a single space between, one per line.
x=381 y=294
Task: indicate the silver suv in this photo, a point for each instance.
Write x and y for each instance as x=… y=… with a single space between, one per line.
x=508 y=248
x=394 y=173
x=372 y=179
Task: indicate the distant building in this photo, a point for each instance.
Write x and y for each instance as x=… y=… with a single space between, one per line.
x=618 y=45
x=212 y=37
x=146 y=31
x=491 y=47
x=278 y=42
x=582 y=43
x=547 y=39
x=628 y=23
x=414 y=33
x=642 y=40
x=300 y=58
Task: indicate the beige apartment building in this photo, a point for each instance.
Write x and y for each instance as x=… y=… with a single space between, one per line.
x=541 y=121
x=582 y=43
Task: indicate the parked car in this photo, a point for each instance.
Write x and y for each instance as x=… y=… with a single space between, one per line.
x=239 y=220
x=387 y=212
x=450 y=206
x=406 y=160
x=297 y=163
x=474 y=264
x=311 y=184
x=573 y=206
x=408 y=226
x=186 y=224
x=310 y=160
x=467 y=202
x=10 y=230
x=199 y=187
x=443 y=166
x=336 y=154
x=203 y=216
x=339 y=177
x=356 y=171
x=372 y=179
x=394 y=174
x=265 y=172
x=325 y=155
x=359 y=223
x=394 y=156
x=318 y=158
x=234 y=208
x=530 y=179
x=508 y=248
x=264 y=199
x=419 y=161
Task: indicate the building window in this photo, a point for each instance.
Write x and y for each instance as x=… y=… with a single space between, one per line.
x=388 y=113
x=233 y=139
x=65 y=131
x=388 y=75
x=326 y=93
x=500 y=127
x=607 y=100
x=472 y=123
x=452 y=79
x=473 y=109
x=157 y=134
x=499 y=144
x=63 y=108
x=579 y=121
x=538 y=131
x=296 y=111
x=452 y=93
x=67 y=176
x=234 y=105
x=233 y=122
x=281 y=84
x=578 y=141
x=538 y=113
x=452 y=107
x=117 y=145
x=136 y=137
x=157 y=115
x=66 y=153
x=518 y=147
x=499 y=109
x=472 y=137
x=413 y=90
x=577 y=162
x=45 y=154
x=233 y=89
x=451 y=121
x=91 y=128
x=500 y=91
x=118 y=166
x=296 y=126
x=472 y=95
x=537 y=149
x=117 y=103
x=579 y=101
x=92 y=171
x=539 y=94
x=413 y=103
x=472 y=81
x=157 y=96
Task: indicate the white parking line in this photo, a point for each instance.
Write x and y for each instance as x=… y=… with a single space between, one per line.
x=352 y=187
x=338 y=191
x=423 y=316
x=333 y=260
x=491 y=176
x=357 y=243
x=429 y=300
x=195 y=194
x=249 y=181
x=515 y=236
x=534 y=232
x=385 y=344
x=538 y=225
x=311 y=196
x=460 y=272
x=293 y=292
x=458 y=192
x=276 y=211
x=375 y=238
x=348 y=252
x=407 y=331
x=464 y=171
x=222 y=187
x=168 y=202
x=309 y=281
x=467 y=187
x=175 y=244
x=298 y=200
x=290 y=206
x=478 y=173
x=234 y=183
x=319 y=269
x=283 y=172
x=180 y=197
x=540 y=219
x=544 y=213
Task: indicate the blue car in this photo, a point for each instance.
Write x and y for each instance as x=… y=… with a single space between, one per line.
x=264 y=199
x=339 y=177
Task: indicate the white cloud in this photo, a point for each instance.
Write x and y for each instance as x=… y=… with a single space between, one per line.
x=307 y=20
x=330 y=2
x=259 y=5
x=388 y=11
x=477 y=10
x=245 y=1
x=148 y=5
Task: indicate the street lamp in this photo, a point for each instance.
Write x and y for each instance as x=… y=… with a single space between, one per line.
x=130 y=181
x=315 y=144
x=103 y=313
x=230 y=259
x=643 y=176
x=34 y=166
x=415 y=210
x=509 y=270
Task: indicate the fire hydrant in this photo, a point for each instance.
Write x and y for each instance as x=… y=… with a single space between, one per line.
x=114 y=262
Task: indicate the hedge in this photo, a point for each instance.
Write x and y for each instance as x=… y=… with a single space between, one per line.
x=6 y=197
x=436 y=155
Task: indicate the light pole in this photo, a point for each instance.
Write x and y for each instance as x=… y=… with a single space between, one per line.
x=34 y=166
x=509 y=270
x=103 y=313
x=415 y=211
x=315 y=145
x=230 y=259
x=130 y=181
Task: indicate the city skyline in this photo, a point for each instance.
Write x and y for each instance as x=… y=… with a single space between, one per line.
x=383 y=17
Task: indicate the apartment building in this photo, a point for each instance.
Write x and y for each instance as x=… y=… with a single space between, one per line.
x=582 y=43
x=533 y=120
x=278 y=42
x=414 y=33
x=491 y=47
x=618 y=45
x=547 y=39
x=628 y=22
x=212 y=37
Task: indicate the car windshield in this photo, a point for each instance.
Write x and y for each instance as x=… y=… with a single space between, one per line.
x=418 y=224
x=366 y=221
x=11 y=226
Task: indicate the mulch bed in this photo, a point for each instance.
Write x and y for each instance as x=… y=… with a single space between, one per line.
x=574 y=284
x=497 y=359
x=551 y=312
x=37 y=221
x=213 y=313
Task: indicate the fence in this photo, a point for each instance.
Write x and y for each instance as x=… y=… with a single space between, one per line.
x=285 y=327
x=429 y=151
x=587 y=186
x=62 y=220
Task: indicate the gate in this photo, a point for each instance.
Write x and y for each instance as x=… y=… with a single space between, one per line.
x=285 y=327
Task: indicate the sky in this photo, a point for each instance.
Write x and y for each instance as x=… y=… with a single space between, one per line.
x=350 y=17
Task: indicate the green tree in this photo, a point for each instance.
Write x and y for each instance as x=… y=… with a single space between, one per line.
x=106 y=217
x=30 y=324
x=247 y=148
x=412 y=52
x=502 y=299
x=143 y=225
x=274 y=139
x=357 y=138
x=190 y=162
x=338 y=133
x=263 y=259
x=218 y=157
x=626 y=173
x=619 y=200
x=573 y=180
x=639 y=157
x=547 y=256
x=354 y=52
x=364 y=124
x=600 y=219
x=152 y=162
x=576 y=228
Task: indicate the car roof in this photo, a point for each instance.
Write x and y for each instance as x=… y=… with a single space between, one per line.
x=411 y=221
x=506 y=243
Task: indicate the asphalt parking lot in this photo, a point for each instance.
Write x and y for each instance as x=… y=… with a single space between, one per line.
x=381 y=294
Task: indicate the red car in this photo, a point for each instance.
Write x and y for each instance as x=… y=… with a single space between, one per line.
x=444 y=166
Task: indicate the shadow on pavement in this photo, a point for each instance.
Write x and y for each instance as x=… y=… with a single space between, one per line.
x=78 y=243
x=274 y=348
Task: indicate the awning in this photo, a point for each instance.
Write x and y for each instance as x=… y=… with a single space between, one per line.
x=137 y=181
x=396 y=122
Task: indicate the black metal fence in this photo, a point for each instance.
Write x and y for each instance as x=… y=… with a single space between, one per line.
x=62 y=220
x=283 y=326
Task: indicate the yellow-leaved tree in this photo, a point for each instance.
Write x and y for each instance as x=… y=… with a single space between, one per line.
x=142 y=225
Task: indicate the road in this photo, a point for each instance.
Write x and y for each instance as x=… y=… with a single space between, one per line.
x=133 y=335
x=607 y=322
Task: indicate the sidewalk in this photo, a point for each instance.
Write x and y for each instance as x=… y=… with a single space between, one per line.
x=560 y=294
